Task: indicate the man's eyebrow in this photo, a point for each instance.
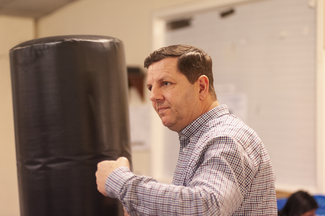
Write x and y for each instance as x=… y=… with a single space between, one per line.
x=164 y=77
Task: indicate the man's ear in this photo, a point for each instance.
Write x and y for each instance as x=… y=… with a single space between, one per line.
x=203 y=83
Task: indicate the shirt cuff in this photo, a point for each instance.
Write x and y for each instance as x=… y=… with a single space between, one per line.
x=116 y=180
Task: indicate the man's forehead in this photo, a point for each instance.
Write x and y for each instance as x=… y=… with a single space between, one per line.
x=159 y=75
x=163 y=70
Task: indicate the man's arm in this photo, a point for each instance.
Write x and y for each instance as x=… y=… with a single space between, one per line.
x=213 y=189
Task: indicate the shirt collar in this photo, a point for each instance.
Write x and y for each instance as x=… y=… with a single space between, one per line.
x=195 y=126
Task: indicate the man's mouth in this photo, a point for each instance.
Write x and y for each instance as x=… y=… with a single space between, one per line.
x=161 y=109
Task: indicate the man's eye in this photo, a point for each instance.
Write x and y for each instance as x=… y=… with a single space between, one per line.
x=166 y=83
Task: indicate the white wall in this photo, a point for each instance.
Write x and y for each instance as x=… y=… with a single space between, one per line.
x=13 y=30
x=127 y=20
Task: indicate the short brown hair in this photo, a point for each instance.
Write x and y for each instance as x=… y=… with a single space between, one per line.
x=192 y=62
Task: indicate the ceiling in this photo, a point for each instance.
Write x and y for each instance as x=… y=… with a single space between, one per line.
x=31 y=8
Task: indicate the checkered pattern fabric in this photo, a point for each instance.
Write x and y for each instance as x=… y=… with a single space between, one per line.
x=223 y=169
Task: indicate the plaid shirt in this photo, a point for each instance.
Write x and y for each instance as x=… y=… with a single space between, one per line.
x=223 y=169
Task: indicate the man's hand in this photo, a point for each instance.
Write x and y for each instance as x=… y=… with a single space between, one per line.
x=104 y=168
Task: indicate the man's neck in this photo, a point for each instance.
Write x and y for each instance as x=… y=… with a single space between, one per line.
x=209 y=106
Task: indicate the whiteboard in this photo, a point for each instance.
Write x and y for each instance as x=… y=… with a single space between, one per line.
x=266 y=51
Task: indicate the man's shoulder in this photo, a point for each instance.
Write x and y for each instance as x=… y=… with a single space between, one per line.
x=232 y=132
x=229 y=125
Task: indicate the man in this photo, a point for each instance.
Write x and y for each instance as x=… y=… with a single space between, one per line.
x=223 y=167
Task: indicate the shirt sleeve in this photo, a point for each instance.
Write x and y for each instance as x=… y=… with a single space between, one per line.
x=214 y=186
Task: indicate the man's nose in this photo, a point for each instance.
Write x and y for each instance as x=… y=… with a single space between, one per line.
x=155 y=94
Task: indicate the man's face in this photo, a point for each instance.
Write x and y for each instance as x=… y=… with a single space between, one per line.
x=173 y=97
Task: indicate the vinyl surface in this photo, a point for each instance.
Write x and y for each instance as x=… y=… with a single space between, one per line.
x=70 y=112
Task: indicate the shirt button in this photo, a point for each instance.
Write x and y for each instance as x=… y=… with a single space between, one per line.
x=184 y=150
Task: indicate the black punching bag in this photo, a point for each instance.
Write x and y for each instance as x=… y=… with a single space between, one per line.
x=70 y=112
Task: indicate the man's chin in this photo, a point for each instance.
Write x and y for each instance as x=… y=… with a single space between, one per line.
x=170 y=126
x=165 y=122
